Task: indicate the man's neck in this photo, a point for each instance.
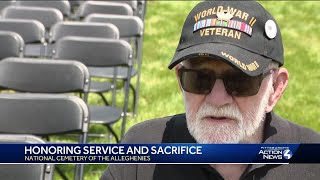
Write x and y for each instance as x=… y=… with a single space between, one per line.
x=230 y=171
x=234 y=171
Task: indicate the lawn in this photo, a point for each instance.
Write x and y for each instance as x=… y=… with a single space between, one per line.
x=160 y=95
x=298 y=21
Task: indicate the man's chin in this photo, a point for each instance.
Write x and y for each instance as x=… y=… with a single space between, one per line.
x=218 y=141
x=218 y=137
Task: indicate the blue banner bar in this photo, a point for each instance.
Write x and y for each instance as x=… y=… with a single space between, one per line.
x=160 y=153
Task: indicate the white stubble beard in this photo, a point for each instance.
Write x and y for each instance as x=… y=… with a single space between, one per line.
x=245 y=126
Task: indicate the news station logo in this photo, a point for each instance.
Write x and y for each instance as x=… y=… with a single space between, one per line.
x=271 y=153
x=287 y=154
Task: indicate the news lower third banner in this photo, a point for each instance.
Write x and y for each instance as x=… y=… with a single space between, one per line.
x=159 y=153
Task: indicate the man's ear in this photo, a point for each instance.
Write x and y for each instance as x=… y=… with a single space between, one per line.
x=176 y=68
x=279 y=85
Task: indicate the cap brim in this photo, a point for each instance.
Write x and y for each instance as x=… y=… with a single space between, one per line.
x=246 y=61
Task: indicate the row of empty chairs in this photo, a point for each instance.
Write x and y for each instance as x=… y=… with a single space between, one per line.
x=43 y=75
x=51 y=13
x=93 y=52
x=78 y=9
x=54 y=47
x=45 y=114
x=96 y=25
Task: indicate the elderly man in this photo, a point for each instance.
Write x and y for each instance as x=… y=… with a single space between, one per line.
x=228 y=65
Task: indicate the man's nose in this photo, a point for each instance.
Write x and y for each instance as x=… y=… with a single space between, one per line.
x=218 y=95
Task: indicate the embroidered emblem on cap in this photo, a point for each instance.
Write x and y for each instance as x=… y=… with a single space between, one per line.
x=271 y=29
x=223 y=20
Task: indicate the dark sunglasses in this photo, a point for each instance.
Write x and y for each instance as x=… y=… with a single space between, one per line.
x=236 y=83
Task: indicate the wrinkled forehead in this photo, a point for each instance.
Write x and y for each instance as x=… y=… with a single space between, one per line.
x=215 y=64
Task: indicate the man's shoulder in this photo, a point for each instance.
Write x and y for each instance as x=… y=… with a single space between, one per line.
x=296 y=132
x=305 y=135
x=149 y=131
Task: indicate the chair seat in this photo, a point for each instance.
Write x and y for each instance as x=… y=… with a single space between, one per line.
x=107 y=72
x=100 y=87
x=104 y=114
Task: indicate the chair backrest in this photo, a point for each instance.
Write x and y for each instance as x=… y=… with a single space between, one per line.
x=62 y=5
x=4 y=4
x=11 y=44
x=42 y=114
x=99 y=52
x=32 y=31
x=89 y=7
x=24 y=171
x=43 y=75
x=47 y=16
x=99 y=30
x=128 y=26
x=138 y=6
x=133 y=3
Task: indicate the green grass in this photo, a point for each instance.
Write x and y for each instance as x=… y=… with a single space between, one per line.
x=300 y=31
x=160 y=95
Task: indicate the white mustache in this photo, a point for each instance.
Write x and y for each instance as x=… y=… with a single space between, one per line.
x=227 y=111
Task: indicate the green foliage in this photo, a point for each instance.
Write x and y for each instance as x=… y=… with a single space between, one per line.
x=300 y=31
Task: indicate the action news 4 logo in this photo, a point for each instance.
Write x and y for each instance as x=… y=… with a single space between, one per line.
x=287 y=154
x=275 y=153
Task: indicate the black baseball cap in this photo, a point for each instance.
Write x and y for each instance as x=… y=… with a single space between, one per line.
x=242 y=33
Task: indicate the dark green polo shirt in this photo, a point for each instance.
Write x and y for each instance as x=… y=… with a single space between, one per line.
x=174 y=130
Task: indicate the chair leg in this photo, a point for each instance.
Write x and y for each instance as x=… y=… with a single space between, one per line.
x=103 y=98
x=135 y=103
x=78 y=175
x=126 y=101
x=79 y=170
x=61 y=173
x=136 y=95
x=113 y=133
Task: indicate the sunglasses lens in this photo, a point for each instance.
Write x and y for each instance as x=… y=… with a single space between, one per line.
x=202 y=81
x=242 y=85
x=196 y=82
